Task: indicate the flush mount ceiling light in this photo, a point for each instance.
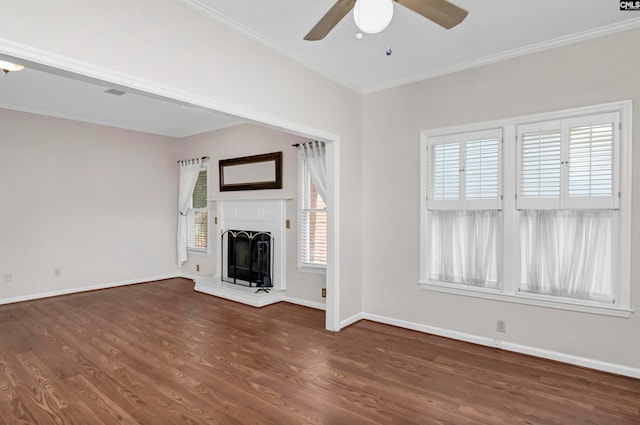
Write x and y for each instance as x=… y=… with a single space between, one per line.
x=8 y=67
x=373 y=16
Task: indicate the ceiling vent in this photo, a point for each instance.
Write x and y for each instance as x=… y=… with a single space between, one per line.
x=114 y=92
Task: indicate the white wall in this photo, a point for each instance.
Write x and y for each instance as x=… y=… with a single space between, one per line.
x=245 y=140
x=592 y=72
x=96 y=202
x=163 y=44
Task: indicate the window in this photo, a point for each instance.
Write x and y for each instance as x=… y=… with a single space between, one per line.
x=312 y=230
x=567 y=200
x=536 y=211
x=463 y=204
x=198 y=216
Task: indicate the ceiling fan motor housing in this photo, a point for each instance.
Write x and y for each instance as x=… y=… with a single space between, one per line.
x=373 y=16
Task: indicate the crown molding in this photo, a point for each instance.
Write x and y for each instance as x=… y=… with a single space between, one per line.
x=514 y=53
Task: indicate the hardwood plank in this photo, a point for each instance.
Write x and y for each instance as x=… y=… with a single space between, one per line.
x=14 y=412
x=103 y=406
x=160 y=353
x=51 y=394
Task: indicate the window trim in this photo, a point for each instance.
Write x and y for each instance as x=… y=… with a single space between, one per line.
x=508 y=291
x=300 y=265
x=207 y=251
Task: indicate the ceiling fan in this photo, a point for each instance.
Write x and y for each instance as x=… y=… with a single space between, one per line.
x=441 y=12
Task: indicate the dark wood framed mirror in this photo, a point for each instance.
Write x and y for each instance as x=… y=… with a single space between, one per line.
x=251 y=172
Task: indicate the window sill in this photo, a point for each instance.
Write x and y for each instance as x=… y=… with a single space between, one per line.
x=312 y=270
x=538 y=301
x=198 y=253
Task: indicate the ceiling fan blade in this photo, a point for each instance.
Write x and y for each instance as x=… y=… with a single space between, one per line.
x=330 y=20
x=441 y=12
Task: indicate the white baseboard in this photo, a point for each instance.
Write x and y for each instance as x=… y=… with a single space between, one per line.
x=504 y=345
x=190 y=276
x=351 y=320
x=571 y=359
x=460 y=336
x=305 y=303
x=68 y=291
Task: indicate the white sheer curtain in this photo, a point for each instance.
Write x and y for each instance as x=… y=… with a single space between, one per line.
x=464 y=247
x=189 y=170
x=315 y=155
x=567 y=253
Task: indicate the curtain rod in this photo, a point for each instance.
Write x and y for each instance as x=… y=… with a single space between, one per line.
x=202 y=159
x=297 y=145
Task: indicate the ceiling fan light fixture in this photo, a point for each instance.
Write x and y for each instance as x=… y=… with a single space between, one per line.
x=373 y=16
x=8 y=67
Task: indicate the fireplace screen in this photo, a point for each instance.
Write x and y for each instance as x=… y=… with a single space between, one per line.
x=248 y=258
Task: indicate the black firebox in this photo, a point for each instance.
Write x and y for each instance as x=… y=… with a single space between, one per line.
x=249 y=258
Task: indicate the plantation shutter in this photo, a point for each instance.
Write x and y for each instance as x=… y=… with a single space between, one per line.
x=568 y=164
x=593 y=162
x=445 y=169
x=539 y=165
x=464 y=171
x=197 y=216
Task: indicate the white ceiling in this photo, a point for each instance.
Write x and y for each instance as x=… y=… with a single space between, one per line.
x=46 y=92
x=494 y=30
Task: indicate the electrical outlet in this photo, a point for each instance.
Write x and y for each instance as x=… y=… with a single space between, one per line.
x=501 y=326
x=324 y=292
x=8 y=278
x=56 y=271
x=197 y=267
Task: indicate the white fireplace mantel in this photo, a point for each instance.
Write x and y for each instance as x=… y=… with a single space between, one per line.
x=255 y=214
x=274 y=198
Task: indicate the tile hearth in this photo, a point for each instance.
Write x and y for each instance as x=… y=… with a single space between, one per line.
x=238 y=293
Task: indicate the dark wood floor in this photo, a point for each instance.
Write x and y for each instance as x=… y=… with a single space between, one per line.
x=159 y=353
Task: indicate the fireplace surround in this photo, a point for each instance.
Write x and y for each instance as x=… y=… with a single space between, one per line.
x=257 y=216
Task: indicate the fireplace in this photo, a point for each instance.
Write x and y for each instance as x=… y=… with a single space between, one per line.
x=249 y=257
x=250 y=251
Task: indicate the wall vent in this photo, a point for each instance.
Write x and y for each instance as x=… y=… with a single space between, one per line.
x=114 y=92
